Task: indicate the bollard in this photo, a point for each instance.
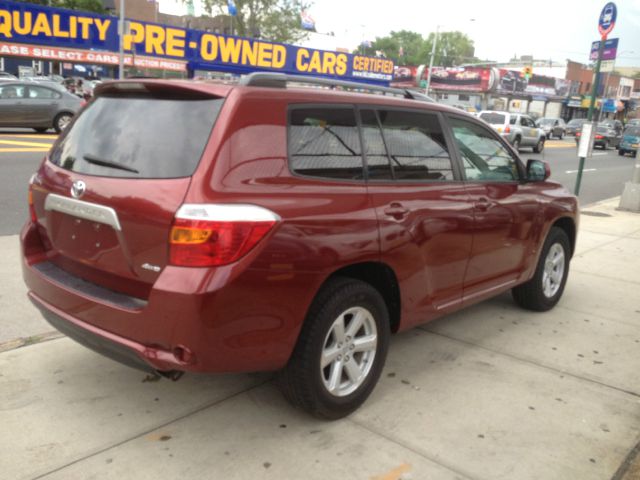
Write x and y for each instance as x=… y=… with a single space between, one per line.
x=630 y=199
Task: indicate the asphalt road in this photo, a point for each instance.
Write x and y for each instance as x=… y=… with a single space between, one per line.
x=22 y=151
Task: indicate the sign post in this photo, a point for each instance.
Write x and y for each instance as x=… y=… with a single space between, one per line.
x=606 y=22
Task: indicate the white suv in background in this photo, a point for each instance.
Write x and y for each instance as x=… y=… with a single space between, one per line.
x=518 y=129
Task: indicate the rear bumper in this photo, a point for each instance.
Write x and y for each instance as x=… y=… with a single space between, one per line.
x=193 y=320
x=117 y=348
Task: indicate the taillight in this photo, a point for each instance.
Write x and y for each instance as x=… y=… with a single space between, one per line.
x=507 y=129
x=599 y=137
x=217 y=234
x=32 y=210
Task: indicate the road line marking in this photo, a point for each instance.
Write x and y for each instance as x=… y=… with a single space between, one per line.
x=598 y=154
x=28 y=135
x=27 y=149
x=584 y=170
x=26 y=144
x=558 y=146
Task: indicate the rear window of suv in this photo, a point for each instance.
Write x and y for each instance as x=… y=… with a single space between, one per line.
x=493 y=118
x=138 y=137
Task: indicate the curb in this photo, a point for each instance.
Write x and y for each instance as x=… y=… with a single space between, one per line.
x=26 y=341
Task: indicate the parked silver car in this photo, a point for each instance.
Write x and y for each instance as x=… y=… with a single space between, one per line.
x=36 y=105
x=553 y=127
x=518 y=129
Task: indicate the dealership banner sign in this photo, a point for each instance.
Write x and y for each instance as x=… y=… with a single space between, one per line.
x=63 y=30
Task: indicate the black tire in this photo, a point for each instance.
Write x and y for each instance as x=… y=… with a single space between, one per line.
x=301 y=381
x=531 y=295
x=41 y=129
x=516 y=144
x=548 y=136
x=621 y=153
x=539 y=146
x=561 y=136
x=61 y=121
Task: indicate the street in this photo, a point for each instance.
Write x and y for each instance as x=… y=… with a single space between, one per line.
x=22 y=151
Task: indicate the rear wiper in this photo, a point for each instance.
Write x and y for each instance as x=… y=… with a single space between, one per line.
x=108 y=163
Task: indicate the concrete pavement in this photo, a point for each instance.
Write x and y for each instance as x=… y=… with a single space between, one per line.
x=492 y=392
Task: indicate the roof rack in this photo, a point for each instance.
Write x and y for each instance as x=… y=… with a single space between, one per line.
x=280 y=80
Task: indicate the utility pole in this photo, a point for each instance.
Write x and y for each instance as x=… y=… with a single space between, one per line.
x=121 y=29
x=433 y=53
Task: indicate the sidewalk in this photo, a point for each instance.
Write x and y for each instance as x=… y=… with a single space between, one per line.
x=491 y=392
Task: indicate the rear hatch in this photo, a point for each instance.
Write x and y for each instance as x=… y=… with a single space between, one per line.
x=106 y=197
x=499 y=121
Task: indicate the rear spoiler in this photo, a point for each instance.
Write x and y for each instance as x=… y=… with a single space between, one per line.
x=178 y=90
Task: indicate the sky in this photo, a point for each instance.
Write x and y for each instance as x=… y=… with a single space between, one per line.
x=546 y=29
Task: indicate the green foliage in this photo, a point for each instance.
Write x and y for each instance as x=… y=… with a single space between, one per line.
x=275 y=20
x=452 y=48
x=83 y=5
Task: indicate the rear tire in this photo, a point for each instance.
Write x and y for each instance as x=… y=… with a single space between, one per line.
x=545 y=288
x=539 y=146
x=621 y=153
x=41 y=129
x=329 y=336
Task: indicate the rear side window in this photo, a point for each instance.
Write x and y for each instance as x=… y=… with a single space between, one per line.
x=324 y=142
x=493 y=118
x=416 y=145
x=138 y=137
x=43 y=93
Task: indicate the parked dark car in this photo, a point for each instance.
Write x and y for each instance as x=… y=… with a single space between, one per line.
x=575 y=125
x=604 y=138
x=282 y=228
x=553 y=127
x=36 y=105
x=630 y=141
x=613 y=125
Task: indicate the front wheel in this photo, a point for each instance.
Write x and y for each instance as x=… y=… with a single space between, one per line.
x=61 y=121
x=340 y=352
x=544 y=290
x=539 y=146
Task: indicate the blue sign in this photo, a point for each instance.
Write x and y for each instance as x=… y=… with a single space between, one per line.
x=26 y=27
x=608 y=53
x=607 y=19
x=609 y=105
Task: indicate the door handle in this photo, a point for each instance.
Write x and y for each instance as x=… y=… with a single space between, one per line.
x=396 y=210
x=483 y=204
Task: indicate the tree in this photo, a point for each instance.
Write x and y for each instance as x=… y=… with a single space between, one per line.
x=276 y=20
x=452 y=48
x=84 y=5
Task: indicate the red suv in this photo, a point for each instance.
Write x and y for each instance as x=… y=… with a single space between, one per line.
x=202 y=227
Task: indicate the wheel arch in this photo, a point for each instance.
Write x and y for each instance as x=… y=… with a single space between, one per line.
x=567 y=224
x=381 y=277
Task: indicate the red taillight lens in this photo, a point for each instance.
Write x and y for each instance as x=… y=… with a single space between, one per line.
x=32 y=210
x=214 y=235
x=599 y=137
x=507 y=129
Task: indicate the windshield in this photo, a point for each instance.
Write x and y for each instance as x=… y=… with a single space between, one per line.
x=547 y=121
x=493 y=118
x=576 y=123
x=138 y=137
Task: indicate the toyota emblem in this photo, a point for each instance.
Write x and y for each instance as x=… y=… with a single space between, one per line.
x=78 y=188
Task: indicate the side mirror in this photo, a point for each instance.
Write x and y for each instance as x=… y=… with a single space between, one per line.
x=537 y=170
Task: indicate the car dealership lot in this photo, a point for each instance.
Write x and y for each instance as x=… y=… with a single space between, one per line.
x=490 y=392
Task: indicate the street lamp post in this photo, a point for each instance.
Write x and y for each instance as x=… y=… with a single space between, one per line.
x=121 y=35
x=433 y=53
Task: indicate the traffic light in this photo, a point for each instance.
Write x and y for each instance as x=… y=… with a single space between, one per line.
x=527 y=72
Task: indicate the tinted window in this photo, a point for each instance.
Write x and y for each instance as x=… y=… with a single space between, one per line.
x=377 y=159
x=416 y=146
x=11 y=91
x=325 y=143
x=43 y=93
x=483 y=156
x=493 y=118
x=147 y=138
